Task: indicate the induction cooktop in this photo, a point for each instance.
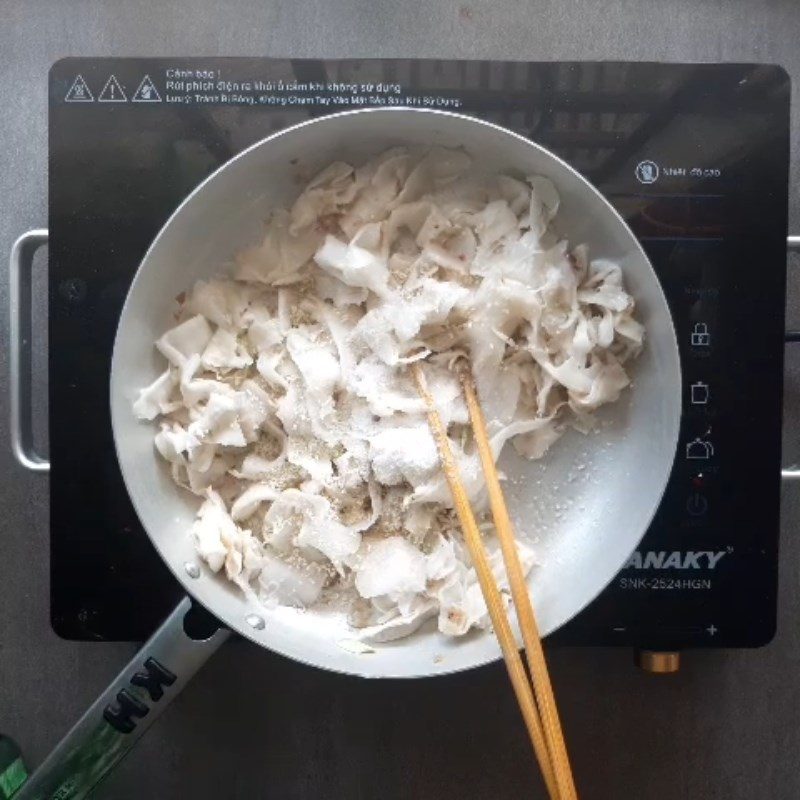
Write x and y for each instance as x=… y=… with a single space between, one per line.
x=694 y=157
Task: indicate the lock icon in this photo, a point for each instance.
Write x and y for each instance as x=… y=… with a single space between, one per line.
x=700 y=335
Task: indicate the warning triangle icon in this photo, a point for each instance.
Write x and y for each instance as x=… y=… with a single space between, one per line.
x=79 y=92
x=147 y=92
x=112 y=92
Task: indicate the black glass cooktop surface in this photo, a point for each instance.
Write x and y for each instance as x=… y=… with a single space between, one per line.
x=695 y=157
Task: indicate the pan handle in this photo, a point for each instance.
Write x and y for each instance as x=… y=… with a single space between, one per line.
x=791 y=473
x=20 y=367
x=128 y=707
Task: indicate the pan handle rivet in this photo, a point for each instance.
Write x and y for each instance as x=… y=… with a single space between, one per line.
x=255 y=621
x=192 y=570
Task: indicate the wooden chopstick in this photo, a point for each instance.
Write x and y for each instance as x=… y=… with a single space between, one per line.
x=491 y=594
x=534 y=653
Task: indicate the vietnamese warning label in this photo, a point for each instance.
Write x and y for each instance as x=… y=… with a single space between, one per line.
x=210 y=87
x=195 y=87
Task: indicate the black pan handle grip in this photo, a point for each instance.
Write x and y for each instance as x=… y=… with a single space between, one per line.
x=128 y=707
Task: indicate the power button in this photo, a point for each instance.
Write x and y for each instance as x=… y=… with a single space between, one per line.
x=696 y=505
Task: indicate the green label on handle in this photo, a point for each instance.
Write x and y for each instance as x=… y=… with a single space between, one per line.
x=12 y=778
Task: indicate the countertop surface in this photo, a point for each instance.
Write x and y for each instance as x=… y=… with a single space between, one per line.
x=254 y=725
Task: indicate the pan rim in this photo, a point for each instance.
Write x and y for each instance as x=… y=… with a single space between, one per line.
x=129 y=481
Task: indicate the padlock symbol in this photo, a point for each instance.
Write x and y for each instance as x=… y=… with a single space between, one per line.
x=700 y=335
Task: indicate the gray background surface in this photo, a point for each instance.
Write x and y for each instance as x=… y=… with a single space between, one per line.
x=253 y=725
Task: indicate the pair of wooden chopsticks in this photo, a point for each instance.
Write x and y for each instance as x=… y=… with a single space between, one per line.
x=537 y=703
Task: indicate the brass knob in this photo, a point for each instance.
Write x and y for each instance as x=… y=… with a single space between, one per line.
x=661 y=662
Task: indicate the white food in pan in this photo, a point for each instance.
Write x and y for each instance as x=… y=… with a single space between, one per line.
x=287 y=406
